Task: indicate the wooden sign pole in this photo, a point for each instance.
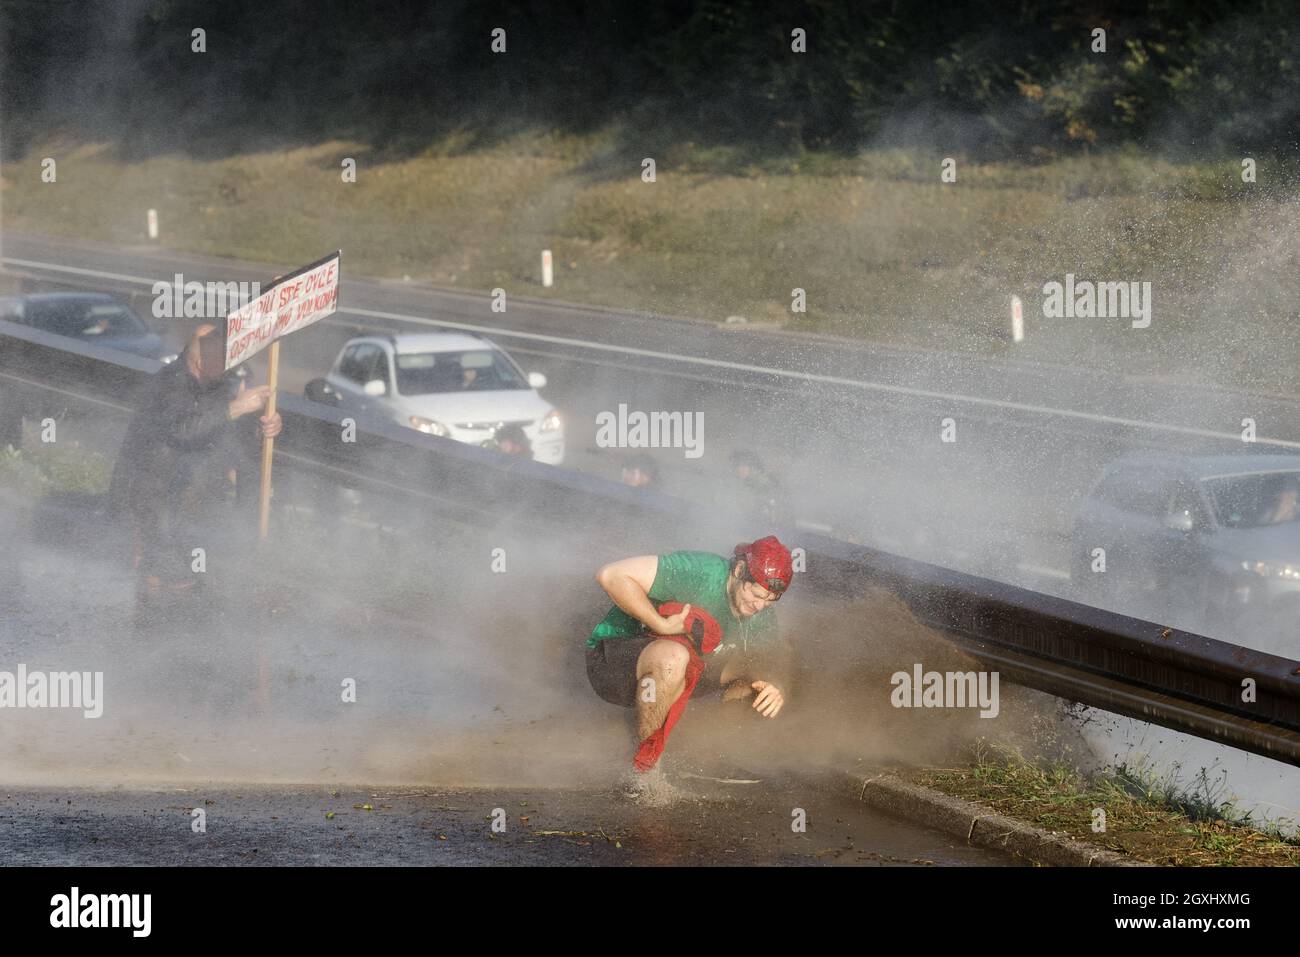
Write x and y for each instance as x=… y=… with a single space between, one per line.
x=268 y=444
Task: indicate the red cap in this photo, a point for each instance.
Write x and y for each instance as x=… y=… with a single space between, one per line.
x=768 y=562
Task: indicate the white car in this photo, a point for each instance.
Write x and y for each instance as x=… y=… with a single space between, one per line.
x=452 y=384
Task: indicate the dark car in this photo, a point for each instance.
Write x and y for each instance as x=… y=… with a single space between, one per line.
x=87 y=317
x=1213 y=541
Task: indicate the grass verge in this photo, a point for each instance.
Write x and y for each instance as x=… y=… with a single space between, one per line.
x=49 y=469
x=882 y=249
x=1149 y=818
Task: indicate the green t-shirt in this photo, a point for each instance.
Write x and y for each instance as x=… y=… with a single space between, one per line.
x=698 y=579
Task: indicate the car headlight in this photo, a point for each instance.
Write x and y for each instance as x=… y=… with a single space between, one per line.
x=168 y=359
x=428 y=426
x=1273 y=570
x=551 y=423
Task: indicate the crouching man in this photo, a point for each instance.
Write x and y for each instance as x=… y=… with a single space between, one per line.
x=626 y=648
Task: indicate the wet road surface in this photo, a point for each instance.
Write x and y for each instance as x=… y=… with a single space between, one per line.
x=709 y=824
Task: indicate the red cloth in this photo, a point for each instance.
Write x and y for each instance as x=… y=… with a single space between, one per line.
x=703 y=627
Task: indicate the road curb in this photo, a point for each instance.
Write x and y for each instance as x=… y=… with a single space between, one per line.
x=978 y=825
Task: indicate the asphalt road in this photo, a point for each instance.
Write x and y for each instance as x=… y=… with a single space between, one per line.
x=706 y=353
x=451 y=719
x=314 y=825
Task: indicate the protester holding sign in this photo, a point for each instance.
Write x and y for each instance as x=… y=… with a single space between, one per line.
x=190 y=457
x=189 y=460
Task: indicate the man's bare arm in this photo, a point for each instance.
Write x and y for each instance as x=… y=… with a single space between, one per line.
x=628 y=583
x=764 y=675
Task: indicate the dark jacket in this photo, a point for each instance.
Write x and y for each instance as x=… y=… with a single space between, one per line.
x=171 y=483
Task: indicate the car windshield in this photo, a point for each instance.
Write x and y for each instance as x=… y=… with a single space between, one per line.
x=478 y=370
x=87 y=320
x=1255 y=501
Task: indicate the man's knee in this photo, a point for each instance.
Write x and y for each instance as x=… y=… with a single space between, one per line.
x=665 y=661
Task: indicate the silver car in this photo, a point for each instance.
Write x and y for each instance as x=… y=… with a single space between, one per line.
x=452 y=384
x=1211 y=540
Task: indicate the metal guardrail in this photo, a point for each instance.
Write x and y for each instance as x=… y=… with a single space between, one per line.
x=1099 y=658
x=1138 y=668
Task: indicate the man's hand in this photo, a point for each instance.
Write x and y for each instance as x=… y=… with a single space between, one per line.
x=675 y=625
x=769 y=700
x=270 y=425
x=248 y=400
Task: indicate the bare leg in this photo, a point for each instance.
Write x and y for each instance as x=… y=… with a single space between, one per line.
x=661 y=678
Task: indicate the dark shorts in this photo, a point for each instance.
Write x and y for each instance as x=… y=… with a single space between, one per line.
x=611 y=669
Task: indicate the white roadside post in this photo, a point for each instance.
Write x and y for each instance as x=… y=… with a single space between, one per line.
x=548 y=276
x=1017 y=320
x=153 y=224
